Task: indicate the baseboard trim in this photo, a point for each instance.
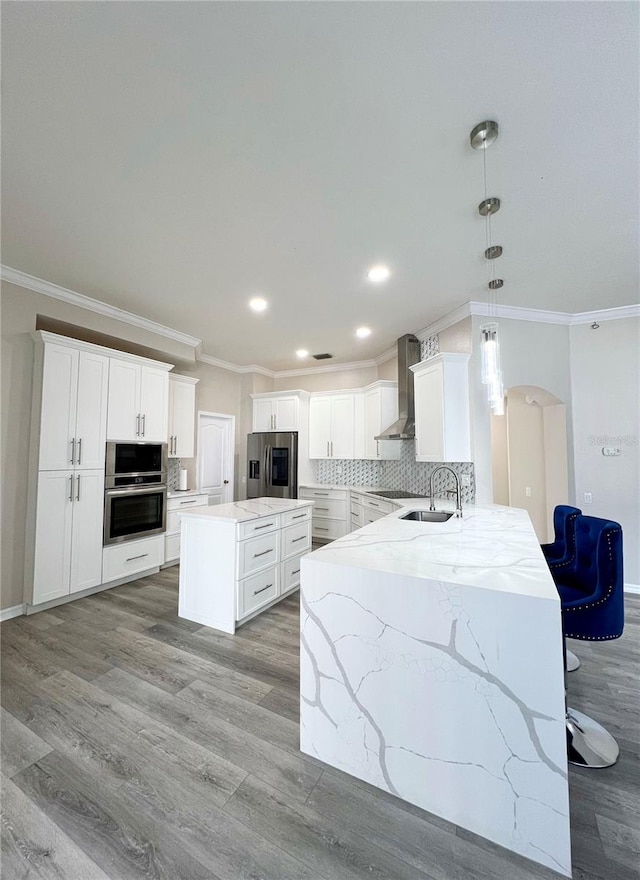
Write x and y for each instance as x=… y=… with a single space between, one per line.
x=14 y=611
x=71 y=597
x=632 y=588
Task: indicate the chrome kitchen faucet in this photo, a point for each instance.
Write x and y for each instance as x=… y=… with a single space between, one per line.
x=444 y=467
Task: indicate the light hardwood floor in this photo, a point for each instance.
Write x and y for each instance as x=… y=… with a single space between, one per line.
x=138 y=745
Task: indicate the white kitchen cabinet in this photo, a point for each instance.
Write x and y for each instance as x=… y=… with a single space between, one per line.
x=182 y=415
x=443 y=428
x=176 y=504
x=68 y=545
x=138 y=406
x=131 y=558
x=234 y=562
x=73 y=412
x=380 y=405
x=276 y=412
x=332 y=426
x=329 y=511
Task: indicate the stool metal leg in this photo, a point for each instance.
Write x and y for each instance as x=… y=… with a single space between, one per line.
x=588 y=743
x=572 y=661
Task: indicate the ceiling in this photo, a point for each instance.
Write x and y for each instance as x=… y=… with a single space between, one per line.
x=176 y=158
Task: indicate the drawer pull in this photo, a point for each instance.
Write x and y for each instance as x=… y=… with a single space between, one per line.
x=320 y=493
x=297 y=571
x=322 y=508
x=142 y=555
x=299 y=516
x=264 y=553
x=301 y=538
x=322 y=528
x=189 y=502
x=265 y=526
x=262 y=589
x=373 y=504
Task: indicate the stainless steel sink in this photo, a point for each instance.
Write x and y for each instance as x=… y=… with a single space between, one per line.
x=428 y=515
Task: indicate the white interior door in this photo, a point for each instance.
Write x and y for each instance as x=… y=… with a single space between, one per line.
x=216 y=437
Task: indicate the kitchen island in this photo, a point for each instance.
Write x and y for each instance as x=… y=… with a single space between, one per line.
x=431 y=667
x=238 y=559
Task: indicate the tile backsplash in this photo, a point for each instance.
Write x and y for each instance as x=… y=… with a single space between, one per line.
x=173 y=474
x=406 y=473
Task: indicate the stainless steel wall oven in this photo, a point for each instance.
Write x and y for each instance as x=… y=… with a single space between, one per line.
x=135 y=500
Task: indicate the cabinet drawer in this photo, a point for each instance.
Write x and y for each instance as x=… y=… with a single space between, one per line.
x=369 y=516
x=356 y=517
x=330 y=509
x=256 y=553
x=290 y=574
x=257 y=590
x=188 y=502
x=171 y=548
x=130 y=557
x=259 y=526
x=378 y=504
x=291 y=517
x=328 y=528
x=296 y=539
x=336 y=494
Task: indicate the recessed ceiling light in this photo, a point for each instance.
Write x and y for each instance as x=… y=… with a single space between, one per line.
x=378 y=274
x=363 y=332
x=302 y=353
x=258 y=304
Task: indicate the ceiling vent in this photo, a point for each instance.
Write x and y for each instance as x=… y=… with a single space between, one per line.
x=322 y=357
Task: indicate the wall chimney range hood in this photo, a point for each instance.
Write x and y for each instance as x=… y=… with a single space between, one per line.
x=405 y=427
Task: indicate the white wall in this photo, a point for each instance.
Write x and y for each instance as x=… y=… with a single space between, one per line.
x=605 y=378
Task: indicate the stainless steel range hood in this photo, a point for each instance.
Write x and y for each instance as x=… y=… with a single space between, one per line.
x=405 y=427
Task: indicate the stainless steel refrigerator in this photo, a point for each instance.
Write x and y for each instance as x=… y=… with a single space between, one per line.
x=272 y=466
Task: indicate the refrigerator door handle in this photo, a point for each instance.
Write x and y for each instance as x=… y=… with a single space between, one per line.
x=270 y=455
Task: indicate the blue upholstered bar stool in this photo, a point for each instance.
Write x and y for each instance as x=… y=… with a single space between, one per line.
x=592 y=598
x=562 y=553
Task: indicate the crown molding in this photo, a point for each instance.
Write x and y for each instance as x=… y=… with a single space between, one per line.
x=236 y=368
x=386 y=355
x=448 y=320
x=330 y=368
x=606 y=315
x=47 y=288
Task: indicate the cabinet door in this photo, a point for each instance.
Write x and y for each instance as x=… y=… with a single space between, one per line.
x=52 y=562
x=319 y=427
x=429 y=414
x=91 y=419
x=58 y=418
x=371 y=423
x=263 y=415
x=343 y=426
x=123 y=405
x=286 y=413
x=154 y=404
x=86 y=530
x=182 y=397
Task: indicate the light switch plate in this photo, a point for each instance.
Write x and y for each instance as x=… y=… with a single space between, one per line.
x=588 y=498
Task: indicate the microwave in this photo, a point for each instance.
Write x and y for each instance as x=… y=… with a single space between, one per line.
x=130 y=464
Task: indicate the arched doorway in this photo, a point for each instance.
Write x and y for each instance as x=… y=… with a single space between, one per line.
x=529 y=455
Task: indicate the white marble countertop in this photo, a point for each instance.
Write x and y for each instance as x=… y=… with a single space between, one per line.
x=242 y=511
x=184 y=493
x=491 y=547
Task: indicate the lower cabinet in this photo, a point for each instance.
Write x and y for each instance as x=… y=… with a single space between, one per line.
x=231 y=571
x=68 y=534
x=132 y=557
x=172 y=534
x=329 y=512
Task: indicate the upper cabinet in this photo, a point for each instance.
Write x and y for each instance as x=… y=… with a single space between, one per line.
x=276 y=411
x=377 y=410
x=332 y=425
x=73 y=412
x=138 y=407
x=443 y=429
x=182 y=414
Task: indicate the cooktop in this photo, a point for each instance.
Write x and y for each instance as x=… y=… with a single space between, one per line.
x=396 y=493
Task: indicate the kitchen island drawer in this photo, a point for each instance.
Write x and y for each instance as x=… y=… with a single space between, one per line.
x=257 y=553
x=296 y=539
x=257 y=590
x=290 y=574
x=296 y=516
x=258 y=526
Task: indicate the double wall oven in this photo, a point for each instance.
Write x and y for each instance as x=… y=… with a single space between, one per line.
x=135 y=497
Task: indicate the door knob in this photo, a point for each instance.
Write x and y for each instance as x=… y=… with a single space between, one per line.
x=226 y=482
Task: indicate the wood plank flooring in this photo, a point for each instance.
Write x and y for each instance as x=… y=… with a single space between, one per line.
x=139 y=745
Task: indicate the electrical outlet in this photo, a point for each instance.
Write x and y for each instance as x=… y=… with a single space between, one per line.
x=588 y=498
x=244 y=479
x=527 y=491
x=339 y=469
x=465 y=480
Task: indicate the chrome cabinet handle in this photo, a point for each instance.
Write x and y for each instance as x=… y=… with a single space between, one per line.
x=144 y=419
x=73 y=450
x=264 y=553
x=332 y=449
x=328 y=453
x=322 y=528
x=255 y=592
x=373 y=504
x=322 y=508
x=297 y=571
x=265 y=526
x=175 y=444
x=71 y=488
x=299 y=516
x=79 y=450
x=295 y=540
x=138 y=425
x=78 y=489
x=195 y=501
x=142 y=555
x=317 y=494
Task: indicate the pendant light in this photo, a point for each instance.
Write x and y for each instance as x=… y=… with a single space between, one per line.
x=481 y=138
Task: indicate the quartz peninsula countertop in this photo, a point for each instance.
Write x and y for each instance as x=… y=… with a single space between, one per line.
x=243 y=511
x=491 y=547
